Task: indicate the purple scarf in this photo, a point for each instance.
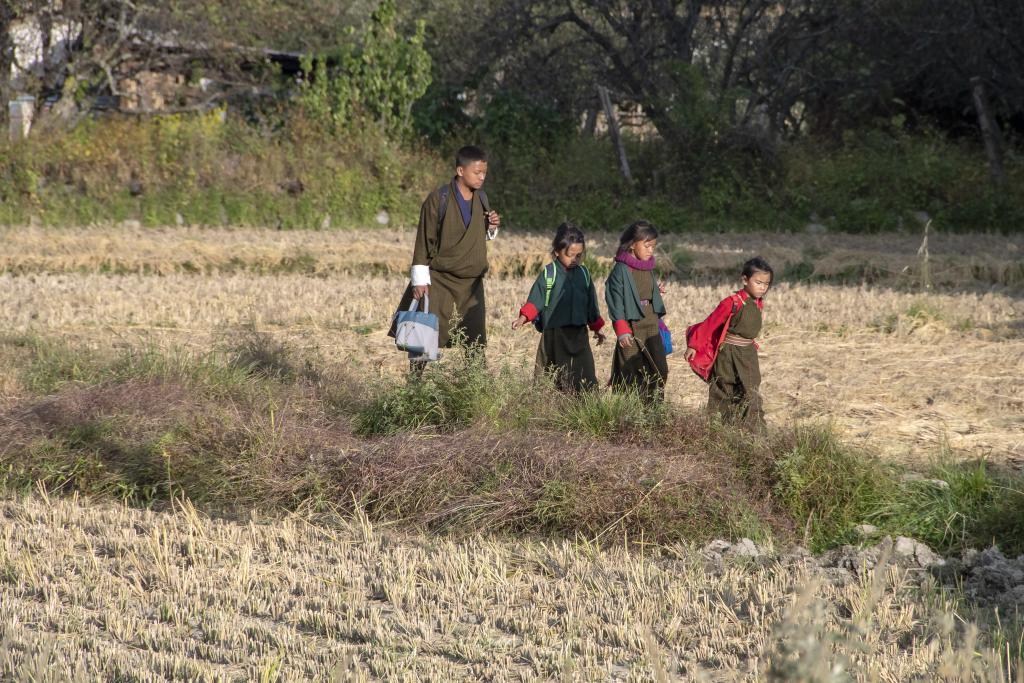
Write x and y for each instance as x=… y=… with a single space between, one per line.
x=633 y=262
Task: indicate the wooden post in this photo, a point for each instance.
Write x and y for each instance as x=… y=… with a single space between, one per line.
x=926 y=272
x=590 y=124
x=989 y=133
x=613 y=128
x=6 y=56
x=19 y=118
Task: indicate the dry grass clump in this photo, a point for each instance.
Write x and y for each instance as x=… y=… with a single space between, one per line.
x=91 y=591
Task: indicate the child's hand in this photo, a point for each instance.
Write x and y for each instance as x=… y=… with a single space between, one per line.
x=599 y=336
x=689 y=353
x=661 y=288
x=519 y=322
x=625 y=340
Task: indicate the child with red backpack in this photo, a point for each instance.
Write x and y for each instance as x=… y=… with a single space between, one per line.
x=722 y=350
x=562 y=305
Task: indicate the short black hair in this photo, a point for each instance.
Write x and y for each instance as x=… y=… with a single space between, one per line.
x=567 y=235
x=638 y=231
x=758 y=264
x=468 y=154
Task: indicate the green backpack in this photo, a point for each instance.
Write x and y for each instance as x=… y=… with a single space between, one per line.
x=550 y=273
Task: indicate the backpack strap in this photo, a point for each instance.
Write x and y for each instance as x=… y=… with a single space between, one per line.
x=586 y=274
x=550 y=272
x=443 y=191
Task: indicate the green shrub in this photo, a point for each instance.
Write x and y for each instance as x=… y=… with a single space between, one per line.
x=874 y=180
x=382 y=77
x=828 y=487
x=449 y=394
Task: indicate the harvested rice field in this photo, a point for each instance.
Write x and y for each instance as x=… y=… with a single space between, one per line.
x=914 y=358
x=100 y=592
x=910 y=357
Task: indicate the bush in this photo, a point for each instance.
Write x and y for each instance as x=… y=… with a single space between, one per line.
x=958 y=506
x=450 y=394
x=874 y=180
x=213 y=169
x=827 y=487
x=605 y=414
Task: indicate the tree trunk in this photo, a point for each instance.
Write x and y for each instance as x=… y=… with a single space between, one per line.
x=613 y=129
x=590 y=125
x=989 y=133
x=6 y=57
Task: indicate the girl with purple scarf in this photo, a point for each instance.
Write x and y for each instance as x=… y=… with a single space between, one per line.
x=635 y=306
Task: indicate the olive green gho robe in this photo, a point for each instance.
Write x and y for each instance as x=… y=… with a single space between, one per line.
x=734 y=391
x=633 y=297
x=457 y=257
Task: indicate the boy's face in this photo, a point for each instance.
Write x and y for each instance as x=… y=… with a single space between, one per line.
x=757 y=284
x=571 y=256
x=473 y=174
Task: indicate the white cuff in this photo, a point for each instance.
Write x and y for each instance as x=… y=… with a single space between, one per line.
x=420 y=276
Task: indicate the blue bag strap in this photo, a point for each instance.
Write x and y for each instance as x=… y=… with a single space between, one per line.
x=414 y=304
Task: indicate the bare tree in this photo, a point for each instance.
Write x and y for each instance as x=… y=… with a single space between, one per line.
x=106 y=43
x=7 y=17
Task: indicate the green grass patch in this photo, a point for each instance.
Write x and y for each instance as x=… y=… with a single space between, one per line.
x=606 y=414
x=829 y=488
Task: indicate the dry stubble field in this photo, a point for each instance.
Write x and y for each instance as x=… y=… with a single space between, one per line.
x=902 y=370
x=100 y=592
x=146 y=596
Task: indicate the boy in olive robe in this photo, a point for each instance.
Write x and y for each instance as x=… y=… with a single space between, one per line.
x=449 y=258
x=723 y=352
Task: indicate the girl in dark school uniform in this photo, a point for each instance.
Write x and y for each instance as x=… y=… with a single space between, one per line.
x=563 y=305
x=635 y=306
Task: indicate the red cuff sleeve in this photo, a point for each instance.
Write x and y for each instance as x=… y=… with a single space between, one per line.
x=528 y=311
x=622 y=327
x=597 y=325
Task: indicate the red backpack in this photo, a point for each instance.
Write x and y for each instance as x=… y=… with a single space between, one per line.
x=707 y=337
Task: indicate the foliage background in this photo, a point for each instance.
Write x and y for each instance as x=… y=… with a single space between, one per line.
x=737 y=115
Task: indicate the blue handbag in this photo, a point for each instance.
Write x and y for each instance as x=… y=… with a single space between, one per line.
x=416 y=331
x=666 y=336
